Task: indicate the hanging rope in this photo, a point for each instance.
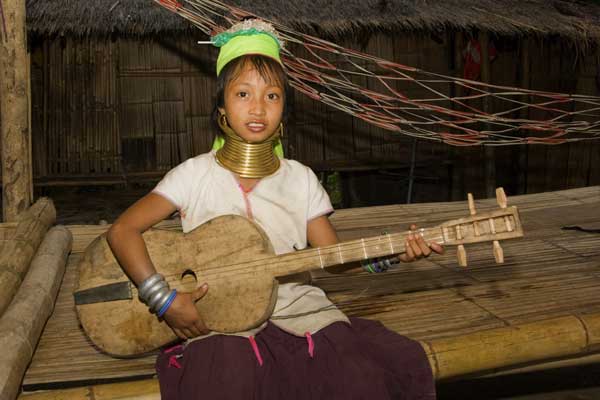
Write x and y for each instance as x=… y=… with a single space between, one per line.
x=346 y=79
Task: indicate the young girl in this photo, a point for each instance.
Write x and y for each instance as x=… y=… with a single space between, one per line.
x=308 y=348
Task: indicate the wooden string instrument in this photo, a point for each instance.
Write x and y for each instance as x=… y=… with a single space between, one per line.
x=237 y=260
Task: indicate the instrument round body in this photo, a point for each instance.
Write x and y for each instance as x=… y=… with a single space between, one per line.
x=225 y=252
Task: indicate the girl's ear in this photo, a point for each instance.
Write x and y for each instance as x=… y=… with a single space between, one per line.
x=221 y=110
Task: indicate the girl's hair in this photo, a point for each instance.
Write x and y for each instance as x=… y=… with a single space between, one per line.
x=269 y=69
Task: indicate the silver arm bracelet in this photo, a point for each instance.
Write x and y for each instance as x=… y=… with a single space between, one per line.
x=158 y=287
x=154 y=292
x=147 y=284
x=158 y=299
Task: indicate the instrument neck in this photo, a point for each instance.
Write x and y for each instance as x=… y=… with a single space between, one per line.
x=347 y=252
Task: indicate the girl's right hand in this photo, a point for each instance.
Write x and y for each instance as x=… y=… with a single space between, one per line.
x=183 y=317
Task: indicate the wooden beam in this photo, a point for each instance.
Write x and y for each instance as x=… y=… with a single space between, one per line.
x=14 y=108
x=490 y=154
x=523 y=150
x=456 y=152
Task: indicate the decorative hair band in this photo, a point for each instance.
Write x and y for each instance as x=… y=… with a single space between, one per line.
x=248 y=27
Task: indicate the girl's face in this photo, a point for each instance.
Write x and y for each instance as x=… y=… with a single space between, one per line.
x=253 y=106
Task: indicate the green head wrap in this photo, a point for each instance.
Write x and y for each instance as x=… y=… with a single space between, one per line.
x=245 y=42
x=248 y=37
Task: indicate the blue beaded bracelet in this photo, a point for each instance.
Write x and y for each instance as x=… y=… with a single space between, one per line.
x=366 y=264
x=167 y=304
x=376 y=265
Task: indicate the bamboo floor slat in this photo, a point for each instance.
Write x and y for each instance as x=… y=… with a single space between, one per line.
x=549 y=273
x=6 y=230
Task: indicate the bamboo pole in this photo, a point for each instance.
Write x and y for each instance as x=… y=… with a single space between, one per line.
x=14 y=108
x=140 y=390
x=556 y=338
x=490 y=154
x=23 y=322
x=29 y=133
x=17 y=252
x=456 y=154
x=46 y=88
x=580 y=361
x=523 y=150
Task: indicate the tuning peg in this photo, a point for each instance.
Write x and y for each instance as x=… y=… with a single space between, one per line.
x=501 y=197
x=498 y=253
x=503 y=203
x=471 y=203
x=473 y=212
x=461 y=255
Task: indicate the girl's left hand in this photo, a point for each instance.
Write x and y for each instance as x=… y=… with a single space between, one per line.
x=417 y=248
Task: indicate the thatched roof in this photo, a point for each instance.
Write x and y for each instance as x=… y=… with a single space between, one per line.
x=572 y=19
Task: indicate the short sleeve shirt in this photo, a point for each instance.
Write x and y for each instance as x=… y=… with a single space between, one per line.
x=282 y=204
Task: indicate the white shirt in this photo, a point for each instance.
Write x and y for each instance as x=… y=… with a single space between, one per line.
x=282 y=204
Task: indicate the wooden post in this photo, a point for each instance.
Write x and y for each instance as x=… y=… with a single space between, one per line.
x=489 y=152
x=14 y=108
x=524 y=114
x=458 y=187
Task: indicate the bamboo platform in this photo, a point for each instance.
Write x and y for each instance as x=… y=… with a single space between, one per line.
x=550 y=275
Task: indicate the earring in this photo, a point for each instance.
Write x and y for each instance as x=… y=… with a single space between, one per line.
x=224 y=125
x=281 y=129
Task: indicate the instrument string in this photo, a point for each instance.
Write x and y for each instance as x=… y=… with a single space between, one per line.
x=371 y=245
x=313 y=258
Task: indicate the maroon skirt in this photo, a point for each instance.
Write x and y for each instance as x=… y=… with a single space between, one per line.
x=363 y=360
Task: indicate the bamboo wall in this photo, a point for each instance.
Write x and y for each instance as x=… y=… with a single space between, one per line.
x=126 y=105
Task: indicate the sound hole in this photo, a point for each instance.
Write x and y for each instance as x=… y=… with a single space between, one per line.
x=189 y=280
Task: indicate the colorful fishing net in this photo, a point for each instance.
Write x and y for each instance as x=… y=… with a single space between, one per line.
x=346 y=79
